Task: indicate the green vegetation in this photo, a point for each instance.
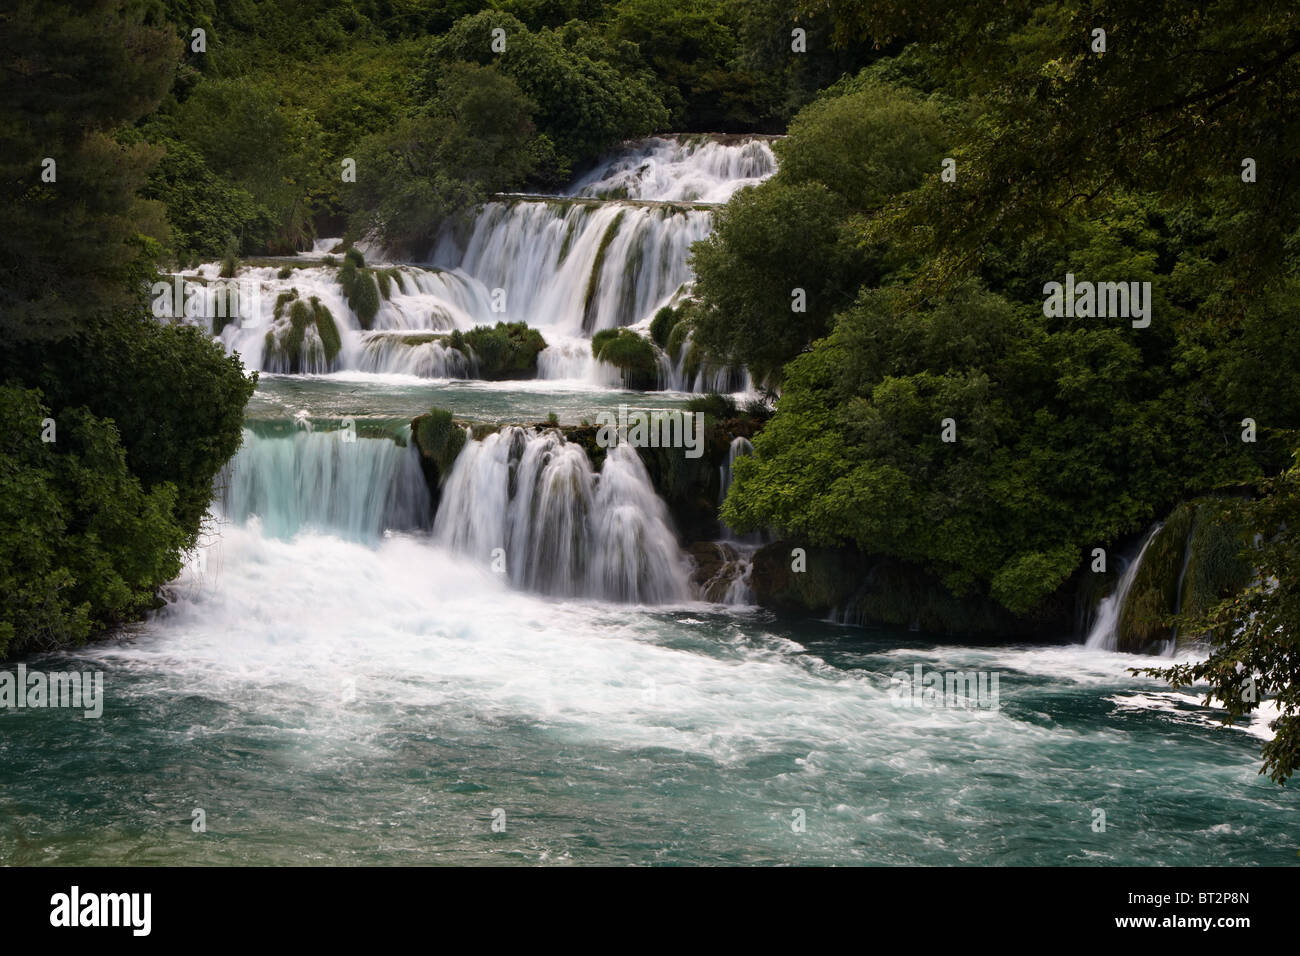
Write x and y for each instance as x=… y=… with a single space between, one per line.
x=285 y=340
x=1256 y=654
x=663 y=324
x=714 y=406
x=255 y=129
x=504 y=351
x=84 y=544
x=112 y=425
x=439 y=439
x=932 y=413
x=633 y=355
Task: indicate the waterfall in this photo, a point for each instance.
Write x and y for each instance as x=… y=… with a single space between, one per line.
x=574 y=268
x=407 y=354
x=530 y=505
x=1105 y=629
x=676 y=376
x=320 y=481
x=683 y=169
x=608 y=253
x=740 y=447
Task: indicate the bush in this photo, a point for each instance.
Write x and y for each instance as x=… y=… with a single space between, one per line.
x=83 y=544
x=635 y=356
x=662 y=325
x=505 y=351
x=714 y=406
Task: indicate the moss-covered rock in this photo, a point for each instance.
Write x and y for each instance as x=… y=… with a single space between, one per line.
x=439 y=439
x=1193 y=562
x=364 y=298
x=360 y=288
x=307 y=340
x=1215 y=569
x=634 y=356
x=1146 y=619
x=809 y=580
x=860 y=589
x=717 y=566
x=663 y=325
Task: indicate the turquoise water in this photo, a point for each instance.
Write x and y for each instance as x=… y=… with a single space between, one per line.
x=335 y=698
x=332 y=702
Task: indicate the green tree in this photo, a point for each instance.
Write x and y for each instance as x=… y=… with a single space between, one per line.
x=71 y=79
x=845 y=157
x=1256 y=653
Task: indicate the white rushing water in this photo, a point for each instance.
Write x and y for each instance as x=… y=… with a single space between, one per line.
x=1104 y=634
x=576 y=268
x=680 y=169
x=609 y=254
x=317 y=480
x=529 y=505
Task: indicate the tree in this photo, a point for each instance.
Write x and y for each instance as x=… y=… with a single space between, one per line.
x=785 y=256
x=69 y=241
x=1256 y=652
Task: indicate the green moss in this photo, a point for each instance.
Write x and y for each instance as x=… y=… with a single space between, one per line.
x=353 y=257
x=1146 y=619
x=283 y=299
x=714 y=406
x=387 y=278
x=421 y=338
x=327 y=329
x=364 y=298
x=1215 y=568
x=284 y=273
x=677 y=338
x=630 y=353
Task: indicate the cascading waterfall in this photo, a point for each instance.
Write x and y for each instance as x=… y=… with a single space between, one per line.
x=530 y=503
x=1104 y=634
x=608 y=253
x=680 y=169
x=740 y=447
x=320 y=481
x=678 y=376
x=574 y=268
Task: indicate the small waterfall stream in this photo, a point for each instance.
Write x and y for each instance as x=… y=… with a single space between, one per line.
x=1104 y=634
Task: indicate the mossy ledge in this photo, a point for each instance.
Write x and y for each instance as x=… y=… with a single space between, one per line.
x=1192 y=563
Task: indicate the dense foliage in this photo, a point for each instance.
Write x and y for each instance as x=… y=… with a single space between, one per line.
x=112 y=425
x=436 y=111
x=933 y=409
